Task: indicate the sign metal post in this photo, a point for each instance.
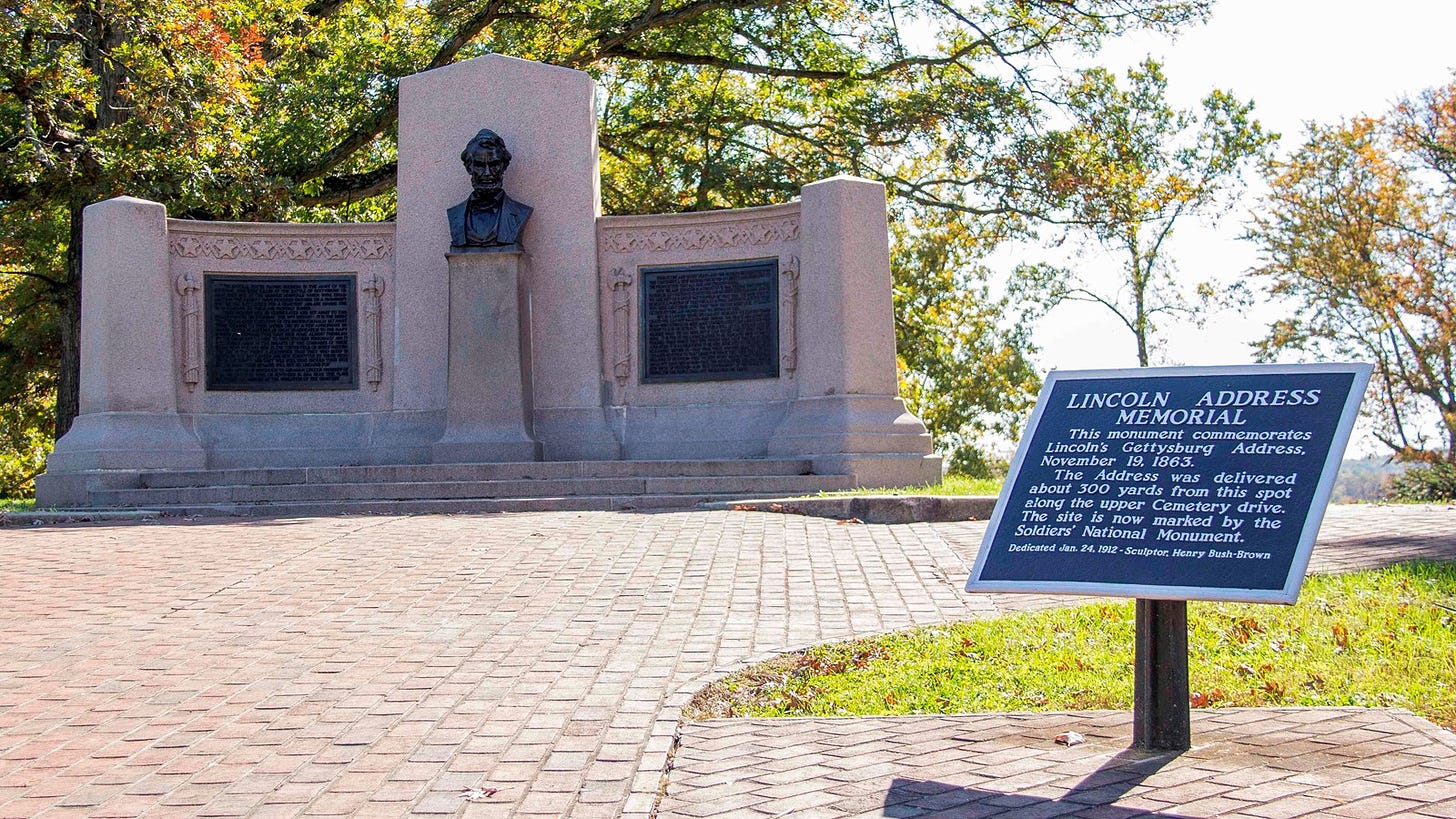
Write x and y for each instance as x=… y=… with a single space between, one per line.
x=1160 y=709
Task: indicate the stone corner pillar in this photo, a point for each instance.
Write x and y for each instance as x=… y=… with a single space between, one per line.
x=487 y=410
x=848 y=417
x=129 y=371
x=126 y=300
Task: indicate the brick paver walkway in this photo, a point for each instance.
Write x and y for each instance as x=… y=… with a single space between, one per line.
x=491 y=665
x=1256 y=763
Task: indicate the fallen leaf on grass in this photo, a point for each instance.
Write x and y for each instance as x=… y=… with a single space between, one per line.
x=1075 y=664
x=1199 y=699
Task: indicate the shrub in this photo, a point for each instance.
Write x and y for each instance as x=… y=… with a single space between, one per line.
x=1424 y=482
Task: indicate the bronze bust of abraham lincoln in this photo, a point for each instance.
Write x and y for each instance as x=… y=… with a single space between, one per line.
x=489 y=220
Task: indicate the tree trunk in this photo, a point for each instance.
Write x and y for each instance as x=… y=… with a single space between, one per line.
x=68 y=316
x=1140 y=279
x=1448 y=422
x=99 y=40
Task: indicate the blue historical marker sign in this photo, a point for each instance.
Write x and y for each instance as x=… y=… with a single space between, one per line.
x=1180 y=483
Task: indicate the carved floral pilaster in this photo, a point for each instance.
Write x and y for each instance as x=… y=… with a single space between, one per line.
x=373 y=339
x=621 y=283
x=189 y=304
x=790 y=314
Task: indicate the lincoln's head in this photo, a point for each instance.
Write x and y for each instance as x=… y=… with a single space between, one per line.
x=486 y=160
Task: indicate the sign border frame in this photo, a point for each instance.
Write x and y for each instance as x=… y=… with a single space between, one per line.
x=1311 y=524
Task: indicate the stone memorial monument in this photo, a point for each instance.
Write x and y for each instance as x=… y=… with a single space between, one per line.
x=499 y=327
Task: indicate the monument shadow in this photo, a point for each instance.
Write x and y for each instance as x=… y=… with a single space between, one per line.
x=1100 y=790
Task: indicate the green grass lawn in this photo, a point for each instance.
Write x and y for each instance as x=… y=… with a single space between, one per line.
x=950 y=485
x=17 y=504
x=1378 y=638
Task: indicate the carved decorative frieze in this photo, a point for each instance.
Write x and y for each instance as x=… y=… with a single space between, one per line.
x=224 y=247
x=189 y=304
x=790 y=313
x=722 y=235
x=373 y=340
x=621 y=284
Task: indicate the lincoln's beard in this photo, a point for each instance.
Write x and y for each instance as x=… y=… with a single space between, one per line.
x=487 y=197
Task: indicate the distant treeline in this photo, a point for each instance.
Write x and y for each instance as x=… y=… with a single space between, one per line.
x=1365 y=479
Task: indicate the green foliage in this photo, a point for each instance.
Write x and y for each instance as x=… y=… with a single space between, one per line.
x=1357 y=235
x=25 y=441
x=27 y=384
x=966 y=355
x=1130 y=168
x=16 y=504
x=974 y=463
x=1385 y=637
x=1424 y=483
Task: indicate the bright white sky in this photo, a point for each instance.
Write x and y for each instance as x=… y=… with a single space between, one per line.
x=1300 y=61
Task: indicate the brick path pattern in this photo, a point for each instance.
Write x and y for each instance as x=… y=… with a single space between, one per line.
x=476 y=665
x=1351 y=763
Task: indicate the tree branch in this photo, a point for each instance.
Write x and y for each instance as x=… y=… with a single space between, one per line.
x=55 y=284
x=378 y=122
x=710 y=61
x=652 y=17
x=339 y=190
x=323 y=8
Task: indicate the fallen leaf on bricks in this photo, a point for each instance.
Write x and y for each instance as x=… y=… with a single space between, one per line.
x=1070 y=738
x=850 y=520
x=479 y=794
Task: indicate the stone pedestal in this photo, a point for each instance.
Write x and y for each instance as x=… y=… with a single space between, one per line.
x=487 y=410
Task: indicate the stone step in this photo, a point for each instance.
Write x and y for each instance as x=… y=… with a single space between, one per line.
x=412 y=473
x=575 y=503
x=446 y=490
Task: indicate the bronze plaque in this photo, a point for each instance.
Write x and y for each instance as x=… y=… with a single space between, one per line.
x=710 y=322
x=271 y=333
